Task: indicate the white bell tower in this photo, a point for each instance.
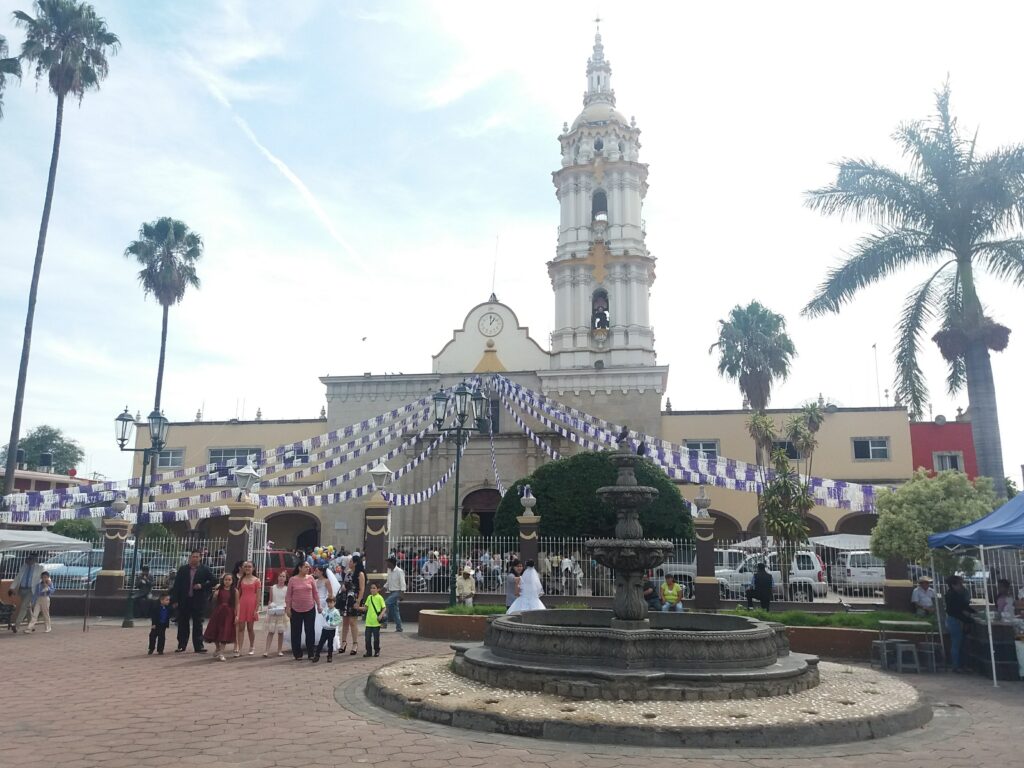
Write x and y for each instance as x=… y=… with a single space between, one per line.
x=602 y=272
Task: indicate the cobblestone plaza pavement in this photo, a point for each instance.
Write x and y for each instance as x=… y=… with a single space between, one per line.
x=79 y=700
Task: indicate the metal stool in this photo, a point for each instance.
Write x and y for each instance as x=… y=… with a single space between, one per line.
x=885 y=651
x=932 y=655
x=902 y=649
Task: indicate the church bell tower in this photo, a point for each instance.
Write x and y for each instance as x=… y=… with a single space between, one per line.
x=602 y=272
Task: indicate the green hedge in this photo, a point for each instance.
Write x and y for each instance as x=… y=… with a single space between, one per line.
x=865 y=620
x=568 y=505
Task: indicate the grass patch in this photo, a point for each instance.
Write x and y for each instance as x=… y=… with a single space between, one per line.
x=865 y=620
x=476 y=610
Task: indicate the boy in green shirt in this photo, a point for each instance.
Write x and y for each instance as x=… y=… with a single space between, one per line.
x=374 y=608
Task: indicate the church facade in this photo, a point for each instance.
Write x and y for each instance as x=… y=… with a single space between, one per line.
x=602 y=360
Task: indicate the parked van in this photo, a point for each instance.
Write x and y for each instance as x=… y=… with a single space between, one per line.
x=858 y=570
x=682 y=564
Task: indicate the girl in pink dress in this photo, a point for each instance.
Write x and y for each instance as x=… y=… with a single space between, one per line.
x=221 y=629
x=248 y=608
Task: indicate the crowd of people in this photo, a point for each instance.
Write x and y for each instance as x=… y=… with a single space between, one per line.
x=305 y=608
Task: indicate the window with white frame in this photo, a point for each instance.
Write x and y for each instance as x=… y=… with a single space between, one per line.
x=170 y=458
x=943 y=460
x=705 y=449
x=787 y=447
x=871 y=448
x=297 y=457
x=240 y=455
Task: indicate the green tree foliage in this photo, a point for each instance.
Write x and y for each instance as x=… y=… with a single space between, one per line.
x=754 y=350
x=568 y=505
x=958 y=213
x=76 y=529
x=8 y=66
x=1011 y=488
x=67 y=454
x=66 y=43
x=784 y=505
x=469 y=526
x=927 y=505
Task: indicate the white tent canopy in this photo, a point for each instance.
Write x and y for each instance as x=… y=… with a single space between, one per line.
x=844 y=541
x=37 y=541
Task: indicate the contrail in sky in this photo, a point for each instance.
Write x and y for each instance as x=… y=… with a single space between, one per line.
x=307 y=195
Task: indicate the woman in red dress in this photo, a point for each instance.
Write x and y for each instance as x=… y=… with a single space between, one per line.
x=248 y=608
x=221 y=629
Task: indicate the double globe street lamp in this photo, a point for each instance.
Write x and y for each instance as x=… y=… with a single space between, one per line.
x=123 y=426
x=466 y=402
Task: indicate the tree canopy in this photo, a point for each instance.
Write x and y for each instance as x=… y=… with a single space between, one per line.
x=67 y=454
x=76 y=529
x=8 y=66
x=754 y=350
x=567 y=502
x=926 y=505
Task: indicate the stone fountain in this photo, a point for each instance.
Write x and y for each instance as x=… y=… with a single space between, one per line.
x=623 y=676
x=626 y=653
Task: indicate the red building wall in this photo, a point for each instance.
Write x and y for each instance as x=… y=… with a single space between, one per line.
x=927 y=438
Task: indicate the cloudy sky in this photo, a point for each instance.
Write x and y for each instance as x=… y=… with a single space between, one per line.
x=356 y=168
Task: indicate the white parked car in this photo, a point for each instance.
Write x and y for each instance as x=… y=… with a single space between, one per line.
x=858 y=570
x=806 y=577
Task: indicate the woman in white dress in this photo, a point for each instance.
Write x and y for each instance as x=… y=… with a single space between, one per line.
x=528 y=591
x=326 y=586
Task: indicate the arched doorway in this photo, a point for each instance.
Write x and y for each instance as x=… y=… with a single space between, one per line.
x=483 y=503
x=815 y=527
x=726 y=529
x=859 y=522
x=293 y=529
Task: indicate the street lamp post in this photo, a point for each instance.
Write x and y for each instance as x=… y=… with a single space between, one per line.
x=464 y=401
x=123 y=426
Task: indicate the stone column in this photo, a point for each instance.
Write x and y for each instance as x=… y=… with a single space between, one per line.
x=110 y=579
x=377 y=527
x=529 y=527
x=705 y=585
x=898 y=585
x=239 y=529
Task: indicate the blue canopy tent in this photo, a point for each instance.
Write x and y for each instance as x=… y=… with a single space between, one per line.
x=1002 y=528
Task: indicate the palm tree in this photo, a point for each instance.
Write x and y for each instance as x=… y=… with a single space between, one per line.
x=958 y=212
x=7 y=67
x=68 y=44
x=755 y=350
x=167 y=251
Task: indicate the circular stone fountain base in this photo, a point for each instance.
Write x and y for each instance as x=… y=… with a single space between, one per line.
x=667 y=657
x=849 y=704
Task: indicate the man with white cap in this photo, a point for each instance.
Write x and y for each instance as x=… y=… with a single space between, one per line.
x=922 y=599
x=465 y=587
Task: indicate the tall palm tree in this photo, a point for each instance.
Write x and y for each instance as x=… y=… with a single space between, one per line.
x=7 y=67
x=754 y=350
x=958 y=212
x=167 y=251
x=68 y=44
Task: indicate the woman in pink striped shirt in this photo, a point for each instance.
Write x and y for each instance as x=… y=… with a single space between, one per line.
x=302 y=603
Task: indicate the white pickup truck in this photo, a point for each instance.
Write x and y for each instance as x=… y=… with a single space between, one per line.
x=806 y=577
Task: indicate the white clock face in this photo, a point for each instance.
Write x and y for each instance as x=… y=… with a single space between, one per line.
x=491 y=324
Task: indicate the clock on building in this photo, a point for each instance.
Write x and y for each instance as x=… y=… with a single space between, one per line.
x=490 y=324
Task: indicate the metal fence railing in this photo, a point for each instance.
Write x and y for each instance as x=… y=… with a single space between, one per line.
x=70 y=570
x=164 y=555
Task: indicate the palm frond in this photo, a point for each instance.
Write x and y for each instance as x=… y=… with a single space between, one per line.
x=952 y=314
x=910 y=385
x=874 y=257
x=1003 y=259
x=867 y=190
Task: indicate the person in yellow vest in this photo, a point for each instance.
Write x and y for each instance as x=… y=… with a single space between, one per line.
x=671 y=595
x=374 y=608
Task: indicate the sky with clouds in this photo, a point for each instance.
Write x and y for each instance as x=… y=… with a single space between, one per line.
x=358 y=170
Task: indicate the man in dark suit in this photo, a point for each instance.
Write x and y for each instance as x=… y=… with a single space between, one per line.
x=193 y=585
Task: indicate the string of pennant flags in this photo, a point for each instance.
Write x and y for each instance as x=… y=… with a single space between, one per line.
x=680 y=462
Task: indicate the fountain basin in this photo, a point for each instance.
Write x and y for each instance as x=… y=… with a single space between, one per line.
x=678 y=656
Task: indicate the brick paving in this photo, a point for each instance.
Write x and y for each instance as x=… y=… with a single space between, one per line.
x=95 y=699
